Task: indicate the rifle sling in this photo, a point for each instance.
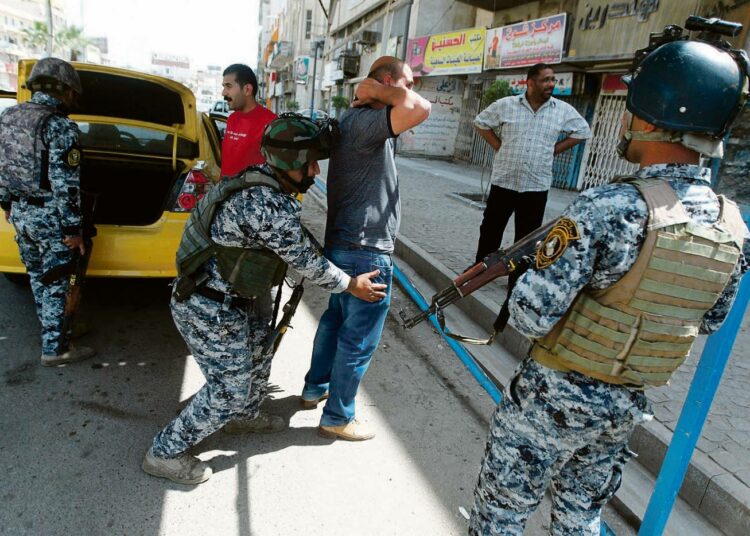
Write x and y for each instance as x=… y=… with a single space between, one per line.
x=462 y=338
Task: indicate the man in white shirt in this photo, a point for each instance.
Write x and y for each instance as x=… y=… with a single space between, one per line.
x=524 y=130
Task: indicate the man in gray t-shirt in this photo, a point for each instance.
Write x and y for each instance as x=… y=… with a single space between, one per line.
x=363 y=218
x=364 y=208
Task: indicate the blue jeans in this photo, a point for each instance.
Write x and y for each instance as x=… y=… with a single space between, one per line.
x=347 y=336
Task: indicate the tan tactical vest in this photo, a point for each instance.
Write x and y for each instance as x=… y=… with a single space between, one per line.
x=639 y=330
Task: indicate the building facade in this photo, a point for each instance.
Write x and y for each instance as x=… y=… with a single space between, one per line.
x=457 y=50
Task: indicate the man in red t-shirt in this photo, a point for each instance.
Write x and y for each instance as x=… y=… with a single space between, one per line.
x=241 y=146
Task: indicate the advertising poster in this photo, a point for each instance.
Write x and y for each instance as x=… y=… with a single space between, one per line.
x=301 y=69
x=437 y=135
x=525 y=43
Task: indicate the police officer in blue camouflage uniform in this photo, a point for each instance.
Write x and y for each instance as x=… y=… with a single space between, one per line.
x=235 y=249
x=623 y=283
x=40 y=194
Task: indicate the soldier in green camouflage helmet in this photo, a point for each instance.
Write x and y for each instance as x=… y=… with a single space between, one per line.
x=291 y=142
x=228 y=261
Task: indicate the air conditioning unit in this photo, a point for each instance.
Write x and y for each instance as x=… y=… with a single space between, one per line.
x=348 y=62
x=369 y=38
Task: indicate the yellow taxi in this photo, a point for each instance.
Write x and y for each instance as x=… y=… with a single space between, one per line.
x=148 y=156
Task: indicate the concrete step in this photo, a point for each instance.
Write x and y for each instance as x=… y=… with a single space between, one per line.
x=633 y=496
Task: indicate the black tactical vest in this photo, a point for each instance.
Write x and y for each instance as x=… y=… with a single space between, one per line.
x=249 y=272
x=24 y=155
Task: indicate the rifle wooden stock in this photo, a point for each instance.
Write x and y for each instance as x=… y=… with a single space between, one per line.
x=498 y=264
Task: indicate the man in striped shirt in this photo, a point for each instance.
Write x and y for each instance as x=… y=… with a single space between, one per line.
x=524 y=131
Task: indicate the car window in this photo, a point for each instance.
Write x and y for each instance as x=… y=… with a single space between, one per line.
x=215 y=127
x=219 y=122
x=129 y=138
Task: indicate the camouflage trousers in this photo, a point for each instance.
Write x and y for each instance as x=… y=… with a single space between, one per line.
x=226 y=344
x=559 y=430
x=39 y=239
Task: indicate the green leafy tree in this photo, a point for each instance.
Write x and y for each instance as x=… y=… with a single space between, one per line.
x=35 y=37
x=497 y=90
x=339 y=102
x=292 y=105
x=72 y=38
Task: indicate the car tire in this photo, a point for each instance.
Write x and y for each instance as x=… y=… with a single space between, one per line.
x=21 y=280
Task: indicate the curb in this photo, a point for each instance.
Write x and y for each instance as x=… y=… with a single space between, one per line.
x=713 y=492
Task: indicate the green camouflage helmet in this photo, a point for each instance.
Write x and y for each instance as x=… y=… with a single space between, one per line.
x=52 y=73
x=292 y=141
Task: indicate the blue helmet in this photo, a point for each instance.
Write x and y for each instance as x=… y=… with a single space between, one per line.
x=688 y=86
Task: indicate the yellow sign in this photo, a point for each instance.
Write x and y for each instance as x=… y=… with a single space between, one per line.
x=459 y=52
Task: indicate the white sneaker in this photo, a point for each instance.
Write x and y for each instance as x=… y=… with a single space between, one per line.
x=185 y=469
x=71 y=356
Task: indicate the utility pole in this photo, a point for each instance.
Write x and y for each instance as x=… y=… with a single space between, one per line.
x=48 y=52
x=315 y=46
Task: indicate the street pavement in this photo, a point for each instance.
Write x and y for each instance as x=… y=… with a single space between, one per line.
x=72 y=438
x=445 y=224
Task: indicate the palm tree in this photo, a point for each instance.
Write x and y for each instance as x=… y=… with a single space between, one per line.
x=35 y=37
x=71 y=37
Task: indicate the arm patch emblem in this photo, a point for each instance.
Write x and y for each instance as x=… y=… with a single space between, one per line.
x=556 y=242
x=73 y=157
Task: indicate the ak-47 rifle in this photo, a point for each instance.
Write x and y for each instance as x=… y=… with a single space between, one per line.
x=273 y=340
x=75 y=269
x=503 y=262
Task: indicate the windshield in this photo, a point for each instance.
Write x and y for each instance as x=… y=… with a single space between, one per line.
x=133 y=139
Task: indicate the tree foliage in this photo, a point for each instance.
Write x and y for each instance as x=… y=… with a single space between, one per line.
x=69 y=42
x=340 y=102
x=497 y=90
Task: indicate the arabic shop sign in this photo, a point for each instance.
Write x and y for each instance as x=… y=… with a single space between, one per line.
x=458 y=52
x=517 y=82
x=594 y=17
x=526 y=43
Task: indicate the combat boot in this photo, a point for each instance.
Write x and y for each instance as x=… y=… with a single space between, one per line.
x=264 y=423
x=71 y=356
x=184 y=469
x=351 y=431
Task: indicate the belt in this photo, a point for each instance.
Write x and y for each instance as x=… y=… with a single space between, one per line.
x=359 y=247
x=35 y=201
x=220 y=297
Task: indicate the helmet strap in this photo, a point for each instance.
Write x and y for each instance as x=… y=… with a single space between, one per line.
x=289 y=183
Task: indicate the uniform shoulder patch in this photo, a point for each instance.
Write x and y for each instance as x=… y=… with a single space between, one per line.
x=73 y=157
x=556 y=242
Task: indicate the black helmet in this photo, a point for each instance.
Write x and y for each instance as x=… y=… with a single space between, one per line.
x=53 y=73
x=687 y=86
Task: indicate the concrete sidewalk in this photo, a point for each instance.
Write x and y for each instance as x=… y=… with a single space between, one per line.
x=441 y=214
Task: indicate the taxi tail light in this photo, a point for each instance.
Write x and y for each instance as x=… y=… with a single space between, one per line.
x=194 y=187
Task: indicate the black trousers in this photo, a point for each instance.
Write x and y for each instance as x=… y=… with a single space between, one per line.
x=528 y=208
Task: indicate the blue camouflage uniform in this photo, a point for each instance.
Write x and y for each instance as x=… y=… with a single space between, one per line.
x=225 y=341
x=568 y=431
x=40 y=229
